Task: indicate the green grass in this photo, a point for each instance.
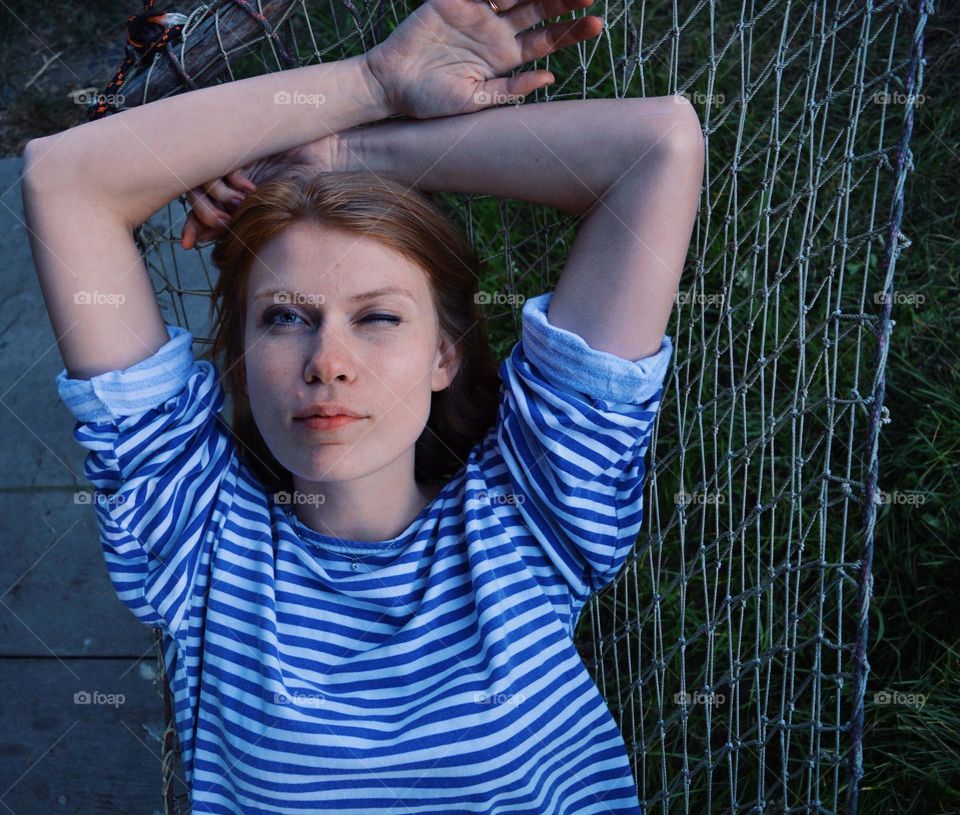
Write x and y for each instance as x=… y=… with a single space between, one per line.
x=910 y=757
x=913 y=758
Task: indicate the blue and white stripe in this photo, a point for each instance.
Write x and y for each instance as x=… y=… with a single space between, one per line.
x=437 y=674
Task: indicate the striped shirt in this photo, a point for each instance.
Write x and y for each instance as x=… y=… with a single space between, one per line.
x=434 y=673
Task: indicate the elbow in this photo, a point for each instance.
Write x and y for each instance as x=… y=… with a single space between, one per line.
x=684 y=143
x=38 y=171
x=675 y=158
x=666 y=129
x=51 y=162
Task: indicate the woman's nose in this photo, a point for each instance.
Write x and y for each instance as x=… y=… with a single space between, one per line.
x=329 y=357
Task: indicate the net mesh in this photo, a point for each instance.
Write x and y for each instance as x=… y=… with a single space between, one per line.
x=732 y=648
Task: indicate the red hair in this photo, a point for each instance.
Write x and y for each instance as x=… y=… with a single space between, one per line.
x=407 y=222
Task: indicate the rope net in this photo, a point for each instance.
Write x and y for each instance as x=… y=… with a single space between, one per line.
x=732 y=648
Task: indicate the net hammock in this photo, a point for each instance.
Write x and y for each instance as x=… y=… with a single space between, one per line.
x=732 y=647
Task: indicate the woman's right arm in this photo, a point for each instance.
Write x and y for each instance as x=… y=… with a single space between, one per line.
x=85 y=190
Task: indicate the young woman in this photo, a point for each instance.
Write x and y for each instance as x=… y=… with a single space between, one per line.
x=369 y=585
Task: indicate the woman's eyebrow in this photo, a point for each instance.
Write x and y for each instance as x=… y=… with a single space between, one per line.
x=368 y=295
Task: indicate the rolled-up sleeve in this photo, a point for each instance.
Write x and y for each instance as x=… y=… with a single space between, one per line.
x=573 y=427
x=159 y=459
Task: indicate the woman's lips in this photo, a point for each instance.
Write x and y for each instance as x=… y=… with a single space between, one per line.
x=328 y=422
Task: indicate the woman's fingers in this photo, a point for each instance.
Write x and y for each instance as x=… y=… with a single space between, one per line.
x=211 y=206
x=204 y=222
x=539 y=42
x=225 y=195
x=528 y=13
x=512 y=89
x=195 y=231
x=205 y=208
x=188 y=237
x=239 y=181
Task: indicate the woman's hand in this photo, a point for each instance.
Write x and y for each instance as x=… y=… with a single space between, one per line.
x=209 y=203
x=448 y=56
x=214 y=202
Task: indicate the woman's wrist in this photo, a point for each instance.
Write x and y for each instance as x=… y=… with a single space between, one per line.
x=545 y=153
x=375 y=148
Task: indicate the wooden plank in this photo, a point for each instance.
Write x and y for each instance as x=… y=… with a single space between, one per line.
x=36 y=435
x=56 y=599
x=60 y=755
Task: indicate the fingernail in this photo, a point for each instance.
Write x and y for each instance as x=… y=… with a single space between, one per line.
x=237 y=200
x=249 y=185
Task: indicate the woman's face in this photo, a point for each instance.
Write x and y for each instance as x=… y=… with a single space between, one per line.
x=381 y=357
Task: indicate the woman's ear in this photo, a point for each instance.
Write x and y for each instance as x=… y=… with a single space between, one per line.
x=448 y=364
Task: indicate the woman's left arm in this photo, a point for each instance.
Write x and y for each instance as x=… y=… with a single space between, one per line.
x=631 y=168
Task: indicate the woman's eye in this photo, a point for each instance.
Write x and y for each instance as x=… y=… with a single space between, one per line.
x=270 y=318
x=381 y=318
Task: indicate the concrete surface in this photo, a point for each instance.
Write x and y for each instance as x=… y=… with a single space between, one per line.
x=62 y=628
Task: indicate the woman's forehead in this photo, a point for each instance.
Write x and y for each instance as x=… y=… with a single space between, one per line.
x=341 y=265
